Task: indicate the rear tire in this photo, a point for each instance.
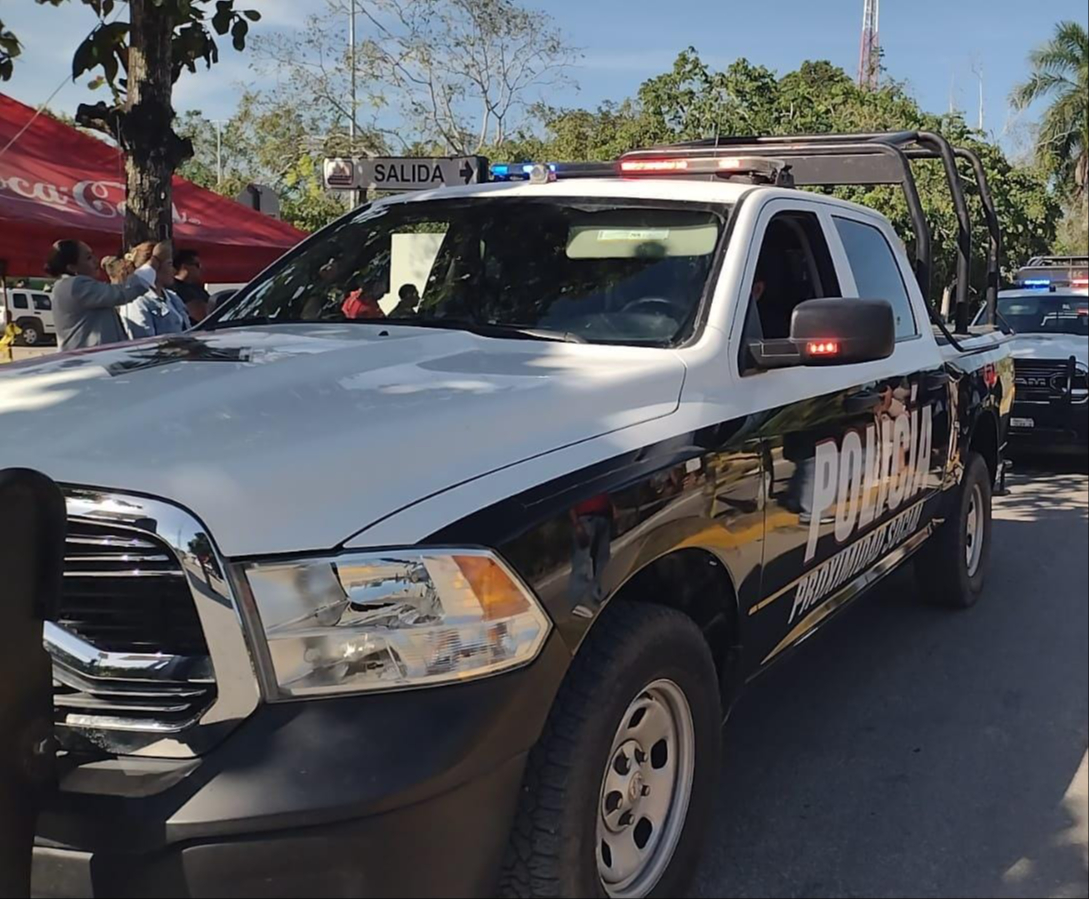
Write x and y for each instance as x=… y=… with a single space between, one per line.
x=33 y=333
x=952 y=566
x=619 y=788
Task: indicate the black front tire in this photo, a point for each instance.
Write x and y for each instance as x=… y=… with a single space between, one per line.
x=33 y=334
x=948 y=572
x=554 y=842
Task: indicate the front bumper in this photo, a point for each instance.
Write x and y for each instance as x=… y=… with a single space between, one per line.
x=402 y=794
x=1057 y=427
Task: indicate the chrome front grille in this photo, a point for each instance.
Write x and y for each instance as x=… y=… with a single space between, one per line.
x=1047 y=380
x=158 y=694
x=126 y=592
x=149 y=654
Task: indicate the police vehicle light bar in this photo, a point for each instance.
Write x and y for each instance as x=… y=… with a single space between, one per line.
x=653 y=166
x=756 y=168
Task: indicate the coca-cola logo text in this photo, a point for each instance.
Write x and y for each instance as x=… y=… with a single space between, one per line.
x=104 y=199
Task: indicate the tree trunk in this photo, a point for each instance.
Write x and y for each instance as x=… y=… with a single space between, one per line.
x=149 y=138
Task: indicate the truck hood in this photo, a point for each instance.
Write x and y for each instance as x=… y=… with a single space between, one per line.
x=1051 y=346
x=292 y=438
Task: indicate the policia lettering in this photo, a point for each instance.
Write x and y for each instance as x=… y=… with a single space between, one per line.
x=846 y=565
x=864 y=482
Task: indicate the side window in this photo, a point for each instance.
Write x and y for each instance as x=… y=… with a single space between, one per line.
x=18 y=300
x=42 y=302
x=877 y=275
x=794 y=265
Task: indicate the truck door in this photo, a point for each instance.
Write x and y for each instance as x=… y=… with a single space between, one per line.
x=854 y=451
x=43 y=306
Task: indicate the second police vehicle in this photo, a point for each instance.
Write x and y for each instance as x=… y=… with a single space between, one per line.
x=1048 y=312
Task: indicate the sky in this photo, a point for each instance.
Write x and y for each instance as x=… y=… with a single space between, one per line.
x=936 y=46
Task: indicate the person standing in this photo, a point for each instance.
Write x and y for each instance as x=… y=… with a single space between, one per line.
x=189 y=284
x=85 y=309
x=159 y=311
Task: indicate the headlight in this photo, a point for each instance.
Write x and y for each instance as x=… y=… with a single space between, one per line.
x=388 y=620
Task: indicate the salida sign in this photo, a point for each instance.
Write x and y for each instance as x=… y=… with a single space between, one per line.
x=400 y=173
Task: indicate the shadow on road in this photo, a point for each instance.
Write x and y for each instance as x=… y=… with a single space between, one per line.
x=909 y=750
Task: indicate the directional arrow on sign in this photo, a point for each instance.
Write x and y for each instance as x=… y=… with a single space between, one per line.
x=467 y=171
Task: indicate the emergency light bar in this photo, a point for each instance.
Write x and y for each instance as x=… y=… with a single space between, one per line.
x=524 y=171
x=754 y=169
x=653 y=163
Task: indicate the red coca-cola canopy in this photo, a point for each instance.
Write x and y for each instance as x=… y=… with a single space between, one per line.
x=57 y=182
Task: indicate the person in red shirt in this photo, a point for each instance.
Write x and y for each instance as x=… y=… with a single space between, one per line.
x=358 y=304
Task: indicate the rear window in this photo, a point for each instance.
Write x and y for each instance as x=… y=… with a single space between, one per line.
x=605 y=272
x=877 y=274
x=19 y=301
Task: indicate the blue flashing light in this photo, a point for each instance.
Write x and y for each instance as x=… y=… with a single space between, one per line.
x=504 y=171
x=1037 y=283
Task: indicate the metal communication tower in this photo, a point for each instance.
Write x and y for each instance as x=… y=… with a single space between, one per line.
x=869 y=54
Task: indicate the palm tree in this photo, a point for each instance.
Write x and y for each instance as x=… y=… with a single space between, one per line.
x=1060 y=72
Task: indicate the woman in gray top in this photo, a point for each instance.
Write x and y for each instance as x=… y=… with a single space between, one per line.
x=85 y=309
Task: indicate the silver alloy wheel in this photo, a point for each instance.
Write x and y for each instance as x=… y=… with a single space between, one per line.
x=30 y=336
x=976 y=531
x=645 y=791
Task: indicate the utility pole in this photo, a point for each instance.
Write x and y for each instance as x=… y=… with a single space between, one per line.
x=869 y=51
x=219 y=152
x=977 y=70
x=351 y=66
x=355 y=195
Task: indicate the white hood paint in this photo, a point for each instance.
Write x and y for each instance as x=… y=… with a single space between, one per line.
x=1051 y=346
x=293 y=438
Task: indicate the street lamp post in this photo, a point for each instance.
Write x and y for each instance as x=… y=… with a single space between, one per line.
x=356 y=195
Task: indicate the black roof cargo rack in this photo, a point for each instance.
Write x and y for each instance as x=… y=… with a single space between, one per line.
x=879 y=158
x=827 y=160
x=1053 y=272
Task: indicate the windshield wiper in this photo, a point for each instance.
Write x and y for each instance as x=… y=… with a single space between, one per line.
x=484 y=329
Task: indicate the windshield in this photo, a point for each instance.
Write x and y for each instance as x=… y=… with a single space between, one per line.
x=602 y=272
x=1047 y=313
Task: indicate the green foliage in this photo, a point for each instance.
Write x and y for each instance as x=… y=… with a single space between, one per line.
x=1074 y=230
x=105 y=49
x=693 y=101
x=1060 y=74
x=276 y=144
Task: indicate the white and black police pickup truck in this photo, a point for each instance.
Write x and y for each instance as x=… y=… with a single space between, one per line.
x=432 y=563
x=1048 y=312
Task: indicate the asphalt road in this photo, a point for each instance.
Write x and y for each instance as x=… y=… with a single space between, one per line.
x=912 y=751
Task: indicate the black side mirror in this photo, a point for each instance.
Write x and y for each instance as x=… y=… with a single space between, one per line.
x=837 y=331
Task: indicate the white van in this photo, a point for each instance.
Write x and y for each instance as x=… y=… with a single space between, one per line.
x=32 y=313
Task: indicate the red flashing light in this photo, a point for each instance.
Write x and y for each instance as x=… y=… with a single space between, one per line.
x=641 y=166
x=822 y=348
x=1080 y=282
